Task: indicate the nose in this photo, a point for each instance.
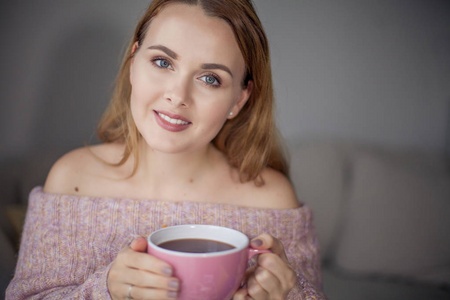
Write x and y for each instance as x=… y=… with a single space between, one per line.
x=178 y=91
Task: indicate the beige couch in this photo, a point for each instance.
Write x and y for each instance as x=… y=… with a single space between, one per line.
x=381 y=216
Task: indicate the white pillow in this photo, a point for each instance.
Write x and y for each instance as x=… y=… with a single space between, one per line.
x=397 y=222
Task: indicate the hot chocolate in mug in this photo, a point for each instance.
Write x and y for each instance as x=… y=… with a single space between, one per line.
x=210 y=261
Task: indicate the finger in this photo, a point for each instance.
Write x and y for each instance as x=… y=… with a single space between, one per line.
x=247 y=274
x=269 y=283
x=144 y=261
x=240 y=294
x=266 y=241
x=255 y=290
x=279 y=269
x=120 y=276
x=139 y=244
x=138 y=293
x=150 y=280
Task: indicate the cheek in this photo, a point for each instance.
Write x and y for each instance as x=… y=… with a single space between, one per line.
x=214 y=116
x=144 y=80
x=135 y=102
x=136 y=113
x=143 y=90
x=141 y=99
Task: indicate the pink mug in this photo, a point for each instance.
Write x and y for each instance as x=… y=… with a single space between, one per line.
x=204 y=276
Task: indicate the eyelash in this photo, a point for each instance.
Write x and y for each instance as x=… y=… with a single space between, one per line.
x=215 y=85
x=156 y=59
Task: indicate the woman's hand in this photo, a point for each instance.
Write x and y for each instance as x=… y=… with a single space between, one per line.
x=272 y=278
x=149 y=277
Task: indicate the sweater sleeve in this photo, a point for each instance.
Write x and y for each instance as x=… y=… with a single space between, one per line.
x=303 y=255
x=46 y=286
x=58 y=257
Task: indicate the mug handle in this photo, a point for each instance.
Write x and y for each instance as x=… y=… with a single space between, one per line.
x=252 y=252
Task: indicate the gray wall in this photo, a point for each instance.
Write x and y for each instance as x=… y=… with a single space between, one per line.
x=374 y=71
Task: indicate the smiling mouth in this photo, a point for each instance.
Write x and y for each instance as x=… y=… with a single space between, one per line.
x=172 y=121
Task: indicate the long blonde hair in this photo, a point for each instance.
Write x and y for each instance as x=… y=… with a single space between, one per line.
x=250 y=140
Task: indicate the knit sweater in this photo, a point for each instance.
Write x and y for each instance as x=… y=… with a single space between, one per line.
x=69 y=242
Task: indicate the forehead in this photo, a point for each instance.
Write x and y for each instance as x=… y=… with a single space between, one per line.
x=187 y=30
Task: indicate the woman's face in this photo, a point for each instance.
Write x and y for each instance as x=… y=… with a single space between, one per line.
x=186 y=78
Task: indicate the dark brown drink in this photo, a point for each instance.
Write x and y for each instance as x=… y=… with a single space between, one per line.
x=195 y=245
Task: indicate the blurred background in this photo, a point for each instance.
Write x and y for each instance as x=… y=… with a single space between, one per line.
x=377 y=71
x=365 y=72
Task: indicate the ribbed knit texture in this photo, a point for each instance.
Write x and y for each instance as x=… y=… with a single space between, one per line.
x=69 y=242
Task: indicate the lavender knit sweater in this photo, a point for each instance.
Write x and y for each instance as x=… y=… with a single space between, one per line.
x=69 y=242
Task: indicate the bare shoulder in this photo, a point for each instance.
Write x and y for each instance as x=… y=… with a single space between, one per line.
x=276 y=192
x=79 y=167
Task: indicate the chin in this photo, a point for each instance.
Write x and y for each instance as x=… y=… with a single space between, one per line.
x=173 y=145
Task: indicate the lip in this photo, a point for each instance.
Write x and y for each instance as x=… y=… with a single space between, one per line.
x=169 y=126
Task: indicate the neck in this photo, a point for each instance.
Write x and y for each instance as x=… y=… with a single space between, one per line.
x=159 y=170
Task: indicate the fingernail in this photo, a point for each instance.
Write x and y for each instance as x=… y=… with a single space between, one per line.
x=167 y=271
x=174 y=284
x=172 y=294
x=257 y=242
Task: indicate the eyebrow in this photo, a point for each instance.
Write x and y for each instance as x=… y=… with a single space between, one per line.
x=164 y=49
x=209 y=66
x=217 y=66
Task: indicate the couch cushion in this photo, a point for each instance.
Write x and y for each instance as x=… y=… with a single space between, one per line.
x=397 y=222
x=317 y=172
x=7 y=262
x=338 y=286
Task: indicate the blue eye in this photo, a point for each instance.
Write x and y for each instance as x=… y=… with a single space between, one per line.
x=162 y=63
x=211 y=80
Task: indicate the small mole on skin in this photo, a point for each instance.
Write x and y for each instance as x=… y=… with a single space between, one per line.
x=76 y=189
x=191 y=180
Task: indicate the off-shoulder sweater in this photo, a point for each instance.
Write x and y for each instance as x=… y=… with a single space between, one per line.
x=69 y=242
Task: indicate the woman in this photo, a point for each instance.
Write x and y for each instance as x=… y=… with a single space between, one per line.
x=188 y=137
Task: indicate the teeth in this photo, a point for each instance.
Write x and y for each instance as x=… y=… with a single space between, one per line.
x=173 y=121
